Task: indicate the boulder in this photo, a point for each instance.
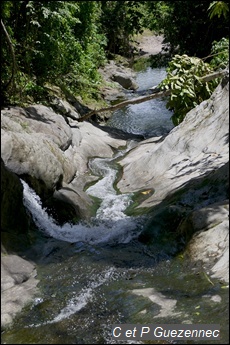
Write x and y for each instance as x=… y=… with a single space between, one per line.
x=48 y=153
x=194 y=149
x=122 y=75
x=73 y=195
x=18 y=286
x=65 y=108
x=33 y=141
x=38 y=119
x=210 y=244
x=185 y=180
x=125 y=81
x=92 y=142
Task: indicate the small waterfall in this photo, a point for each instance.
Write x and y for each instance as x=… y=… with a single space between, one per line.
x=111 y=225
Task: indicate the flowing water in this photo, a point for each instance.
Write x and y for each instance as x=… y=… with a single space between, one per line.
x=149 y=118
x=97 y=273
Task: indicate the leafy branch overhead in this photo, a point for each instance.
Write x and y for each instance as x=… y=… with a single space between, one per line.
x=156 y=94
x=218 y=8
x=185 y=79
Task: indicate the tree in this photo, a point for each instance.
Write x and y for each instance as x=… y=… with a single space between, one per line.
x=54 y=41
x=11 y=48
x=186 y=25
x=120 y=21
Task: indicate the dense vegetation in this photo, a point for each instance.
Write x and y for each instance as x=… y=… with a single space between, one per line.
x=189 y=26
x=64 y=42
x=185 y=79
x=53 y=41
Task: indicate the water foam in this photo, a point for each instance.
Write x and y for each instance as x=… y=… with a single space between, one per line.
x=117 y=229
x=111 y=225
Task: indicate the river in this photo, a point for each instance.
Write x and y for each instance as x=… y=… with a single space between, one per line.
x=96 y=274
x=149 y=118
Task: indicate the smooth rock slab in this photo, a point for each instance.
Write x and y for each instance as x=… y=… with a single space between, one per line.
x=193 y=149
x=18 y=286
x=210 y=244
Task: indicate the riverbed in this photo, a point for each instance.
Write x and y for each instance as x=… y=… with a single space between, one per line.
x=98 y=273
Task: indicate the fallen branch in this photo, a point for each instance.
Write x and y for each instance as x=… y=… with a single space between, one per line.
x=213 y=76
x=123 y=104
x=137 y=100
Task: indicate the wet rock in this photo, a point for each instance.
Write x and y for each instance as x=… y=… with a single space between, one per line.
x=167 y=305
x=81 y=202
x=39 y=146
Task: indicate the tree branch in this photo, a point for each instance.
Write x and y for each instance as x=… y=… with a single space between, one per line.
x=125 y=103
x=137 y=100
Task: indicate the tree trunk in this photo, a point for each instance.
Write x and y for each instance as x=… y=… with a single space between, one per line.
x=123 y=104
x=12 y=54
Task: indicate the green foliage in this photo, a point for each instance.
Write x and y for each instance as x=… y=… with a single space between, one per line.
x=157 y=13
x=218 y=8
x=55 y=41
x=186 y=25
x=220 y=54
x=183 y=78
x=120 y=21
x=64 y=42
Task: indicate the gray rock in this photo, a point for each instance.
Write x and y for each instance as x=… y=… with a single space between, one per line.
x=210 y=244
x=193 y=149
x=18 y=286
x=92 y=142
x=39 y=144
x=36 y=147
x=77 y=198
x=37 y=156
x=65 y=108
x=125 y=81
x=122 y=75
x=189 y=169
x=38 y=119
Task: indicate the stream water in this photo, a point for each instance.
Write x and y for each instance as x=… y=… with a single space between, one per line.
x=150 y=118
x=96 y=274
